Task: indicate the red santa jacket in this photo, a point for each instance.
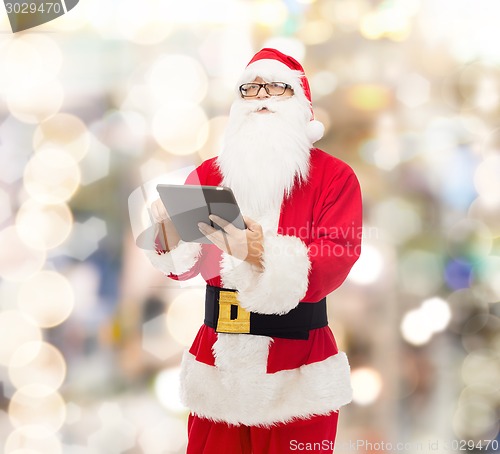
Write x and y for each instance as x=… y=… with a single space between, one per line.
x=257 y=380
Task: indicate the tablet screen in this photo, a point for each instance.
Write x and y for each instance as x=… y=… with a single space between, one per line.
x=187 y=205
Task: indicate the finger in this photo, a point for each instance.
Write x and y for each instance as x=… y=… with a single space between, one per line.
x=215 y=236
x=252 y=225
x=226 y=225
x=158 y=210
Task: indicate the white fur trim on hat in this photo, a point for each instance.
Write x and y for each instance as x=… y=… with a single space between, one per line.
x=282 y=284
x=179 y=260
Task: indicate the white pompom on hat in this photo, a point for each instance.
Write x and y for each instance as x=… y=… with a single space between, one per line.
x=273 y=65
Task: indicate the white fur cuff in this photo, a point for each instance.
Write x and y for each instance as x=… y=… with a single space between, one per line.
x=179 y=260
x=282 y=284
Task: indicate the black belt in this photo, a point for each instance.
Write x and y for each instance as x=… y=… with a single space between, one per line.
x=225 y=315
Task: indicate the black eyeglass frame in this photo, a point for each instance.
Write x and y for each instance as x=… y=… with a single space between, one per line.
x=265 y=88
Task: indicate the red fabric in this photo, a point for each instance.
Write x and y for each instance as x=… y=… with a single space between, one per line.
x=316 y=435
x=273 y=54
x=325 y=213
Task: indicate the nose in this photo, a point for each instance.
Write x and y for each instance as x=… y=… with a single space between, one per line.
x=262 y=93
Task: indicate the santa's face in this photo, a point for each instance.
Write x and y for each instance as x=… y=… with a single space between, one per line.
x=266 y=149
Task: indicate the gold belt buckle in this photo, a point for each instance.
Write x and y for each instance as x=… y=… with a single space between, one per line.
x=226 y=324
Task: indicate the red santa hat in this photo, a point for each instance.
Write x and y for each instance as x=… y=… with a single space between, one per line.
x=274 y=66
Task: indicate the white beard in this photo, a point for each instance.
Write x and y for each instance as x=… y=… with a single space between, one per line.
x=265 y=154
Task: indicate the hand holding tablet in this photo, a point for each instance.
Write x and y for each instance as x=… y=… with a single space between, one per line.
x=188 y=205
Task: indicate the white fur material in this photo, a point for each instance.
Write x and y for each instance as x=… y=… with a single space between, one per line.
x=282 y=284
x=239 y=391
x=179 y=260
x=315 y=130
x=271 y=149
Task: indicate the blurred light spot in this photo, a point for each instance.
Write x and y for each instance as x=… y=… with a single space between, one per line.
x=85 y=237
x=167 y=435
x=270 y=13
x=35 y=104
x=415 y=327
x=37 y=363
x=455 y=178
x=144 y=25
x=486 y=282
x=323 y=83
x=212 y=147
x=486 y=180
x=290 y=46
x=180 y=128
x=369 y=97
x=366 y=384
x=51 y=176
x=21 y=63
x=413 y=90
x=5 y=208
x=487 y=96
x=28 y=60
x=116 y=434
x=458 y=274
x=73 y=413
x=200 y=12
x=33 y=439
x=167 y=385
x=437 y=312
x=481 y=368
x=15 y=148
x=399 y=218
x=388 y=21
x=369 y=266
x=469 y=238
x=47 y=297
x=185 y=315
x=95 y=165
x=122 y=130
x=53 y=224
x=156 y=341
x=475 y=419
x=177 y=78
x=18 y=261
x=488 y=214
x=37 y=405
x=420 y=272
x=315 y=32
x=384 y=149
x=345 y=14
x=63 y=131
x=153 y=168
x=16 y=330
x=324 y=117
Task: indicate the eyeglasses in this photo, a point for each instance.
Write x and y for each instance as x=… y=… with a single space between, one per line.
x=272 y=89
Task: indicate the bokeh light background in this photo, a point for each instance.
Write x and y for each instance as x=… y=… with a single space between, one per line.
x=116 y=94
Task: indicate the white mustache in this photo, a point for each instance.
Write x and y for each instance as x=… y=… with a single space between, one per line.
x=273 y=105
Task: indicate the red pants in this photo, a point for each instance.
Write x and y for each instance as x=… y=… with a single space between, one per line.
x=306 y=435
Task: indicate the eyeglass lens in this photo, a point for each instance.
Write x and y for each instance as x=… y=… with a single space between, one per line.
x=272 y=89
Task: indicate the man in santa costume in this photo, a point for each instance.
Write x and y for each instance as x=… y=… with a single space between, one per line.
x=264 y=374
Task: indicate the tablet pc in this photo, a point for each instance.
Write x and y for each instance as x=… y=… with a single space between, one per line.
x=189 y=204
